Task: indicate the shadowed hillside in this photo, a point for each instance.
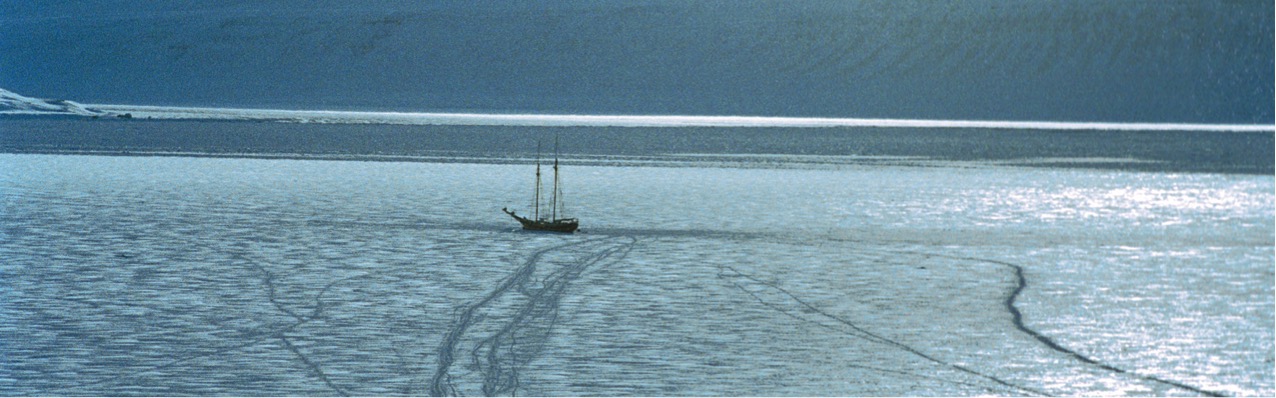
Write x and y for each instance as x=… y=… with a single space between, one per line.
x=1145 y=61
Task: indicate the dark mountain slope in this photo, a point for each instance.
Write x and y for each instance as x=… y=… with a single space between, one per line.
x=1149 y=61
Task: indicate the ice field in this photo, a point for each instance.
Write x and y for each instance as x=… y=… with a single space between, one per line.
x=207 y=276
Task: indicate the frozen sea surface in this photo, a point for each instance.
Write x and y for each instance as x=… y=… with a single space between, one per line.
x=209 y=276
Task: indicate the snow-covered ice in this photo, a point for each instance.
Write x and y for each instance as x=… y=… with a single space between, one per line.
x=197 y=276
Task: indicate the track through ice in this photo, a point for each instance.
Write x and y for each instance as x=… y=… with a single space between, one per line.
x=515 y=319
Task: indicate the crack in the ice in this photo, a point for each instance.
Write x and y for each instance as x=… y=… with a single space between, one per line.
x=1017 y=319
x=315 y=314
x=120 y=378
x=257 y=337
x=498 y=356
x=727 y=272
x=314 y=367
x=268 y=280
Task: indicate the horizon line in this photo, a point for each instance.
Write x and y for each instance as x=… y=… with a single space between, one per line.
x=578 y=120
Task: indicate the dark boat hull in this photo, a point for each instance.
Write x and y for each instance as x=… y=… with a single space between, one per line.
x=566 y=225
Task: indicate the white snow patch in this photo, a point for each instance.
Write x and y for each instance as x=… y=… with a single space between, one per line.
x=13 y=103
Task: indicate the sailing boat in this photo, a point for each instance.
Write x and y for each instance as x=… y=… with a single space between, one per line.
x=553 y=223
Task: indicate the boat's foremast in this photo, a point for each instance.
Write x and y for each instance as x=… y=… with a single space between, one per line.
x=554 y=196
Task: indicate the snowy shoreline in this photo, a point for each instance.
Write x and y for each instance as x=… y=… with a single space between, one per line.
x=16 y=104
x=564 y=120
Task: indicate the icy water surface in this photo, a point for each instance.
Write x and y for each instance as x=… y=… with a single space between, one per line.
x=201 y=276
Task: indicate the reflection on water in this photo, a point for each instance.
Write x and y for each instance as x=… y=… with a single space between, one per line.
x=182 y=276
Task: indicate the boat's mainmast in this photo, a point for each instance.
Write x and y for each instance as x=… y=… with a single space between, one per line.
x=536 y=199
